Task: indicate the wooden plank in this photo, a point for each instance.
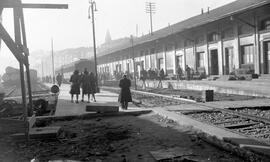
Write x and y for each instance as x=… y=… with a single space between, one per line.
x=11 y=45
x=5 y=3
x=236 y=126
x=39 y=133
x=171 y=153
x=31 y=121
x=44 y=6
x=93 y=115
x=17 y=3
x=102 y=108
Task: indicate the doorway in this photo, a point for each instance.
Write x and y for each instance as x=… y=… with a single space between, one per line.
x=229 y=60
x=214 y=62
x=266 y=58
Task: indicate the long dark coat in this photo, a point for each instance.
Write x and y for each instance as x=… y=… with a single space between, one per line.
x=93 y=86
x=75 y=80
x=125 y=95
x=86 y=84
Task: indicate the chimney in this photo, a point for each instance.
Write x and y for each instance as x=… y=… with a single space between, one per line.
x=202 y=11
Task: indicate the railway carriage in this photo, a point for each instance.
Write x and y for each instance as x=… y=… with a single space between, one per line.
x=67 y=70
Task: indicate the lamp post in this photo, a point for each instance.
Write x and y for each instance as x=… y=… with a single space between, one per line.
x=93 y=9
x=53 y=72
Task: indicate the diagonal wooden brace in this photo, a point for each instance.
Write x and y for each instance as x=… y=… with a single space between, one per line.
x=14 y=48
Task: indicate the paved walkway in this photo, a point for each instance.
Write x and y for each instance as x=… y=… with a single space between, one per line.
x=65 y=107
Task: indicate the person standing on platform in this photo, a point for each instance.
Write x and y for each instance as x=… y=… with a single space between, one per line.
x=59 y=79
x=75 y=80
x=143 y=77
x=188 y=72
x=93 y=86
x=179 y=73
x=161 y=77
x=86 y=85
x=125 y=95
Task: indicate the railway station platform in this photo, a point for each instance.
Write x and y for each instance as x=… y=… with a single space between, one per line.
x=250 y=88
x=66 y=108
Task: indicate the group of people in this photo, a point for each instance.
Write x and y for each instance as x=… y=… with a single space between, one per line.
x=152 y=74
x=85 y=81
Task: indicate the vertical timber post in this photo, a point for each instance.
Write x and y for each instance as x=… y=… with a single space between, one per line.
x=18 y=42
x=27 y=62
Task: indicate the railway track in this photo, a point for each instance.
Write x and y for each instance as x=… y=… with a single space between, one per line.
x=251 y=122
x=243 y=124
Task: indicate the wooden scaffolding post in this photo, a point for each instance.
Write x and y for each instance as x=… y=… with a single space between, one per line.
x=19 y=47
x=18 y=43
x=26 y=53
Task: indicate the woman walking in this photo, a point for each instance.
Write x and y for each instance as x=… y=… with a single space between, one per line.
x=86 y=85
x=75 y=80
x=93 y=86
x=125 y=95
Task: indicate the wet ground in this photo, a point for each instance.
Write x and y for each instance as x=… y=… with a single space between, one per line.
x=114 y=139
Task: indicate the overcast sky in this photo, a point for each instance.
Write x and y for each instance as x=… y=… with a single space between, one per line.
x=71 y=28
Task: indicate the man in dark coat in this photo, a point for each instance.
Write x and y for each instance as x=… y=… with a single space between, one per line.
x=75 y=80
x=179 y=73
x=143 y=77
x=125 y=95
x=188 y=72
x=59 y=79
x=161 y=77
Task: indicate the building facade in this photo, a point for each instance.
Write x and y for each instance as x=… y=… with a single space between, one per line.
x=234 y=36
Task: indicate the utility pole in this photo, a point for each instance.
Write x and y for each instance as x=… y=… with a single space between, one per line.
x=53 y=75
x=137 y=30
x=42 y=71
x=93 y=9
x=151 y=9
x=133 y=59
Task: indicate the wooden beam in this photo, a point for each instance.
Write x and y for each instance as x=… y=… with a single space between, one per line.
x=15 y=3
x=11 y=45
x=9 y=3
x=44 y=6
